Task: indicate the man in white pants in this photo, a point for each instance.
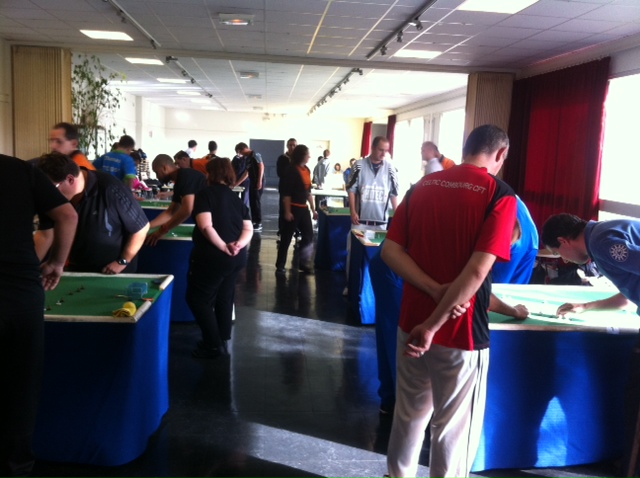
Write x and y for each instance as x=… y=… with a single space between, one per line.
x=449 y=230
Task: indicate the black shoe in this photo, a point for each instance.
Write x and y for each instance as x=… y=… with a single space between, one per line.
x=280 y=271
x=257 y=226
x=306 y=269
x=225 y=347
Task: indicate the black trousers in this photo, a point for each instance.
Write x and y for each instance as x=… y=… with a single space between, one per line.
x=255 y=204
x=210 y=295
x=21 y=362
x=301 y=221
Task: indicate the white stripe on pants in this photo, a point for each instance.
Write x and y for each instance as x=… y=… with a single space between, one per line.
x=451 y=384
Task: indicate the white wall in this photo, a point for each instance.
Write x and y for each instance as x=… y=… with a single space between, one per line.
x=343 y=135
x=6 y=117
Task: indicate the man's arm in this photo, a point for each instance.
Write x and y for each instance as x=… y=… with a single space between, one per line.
x=394 y=202
x=177 y=214
x=242 y=178
x=395 y=256
x=355 y=218
x=460 y=291
x=43 y=239
x=65 y=222
x=260 y=174
x=129 y=251
x=615 y=302
x=164 y=216
x=497 y=305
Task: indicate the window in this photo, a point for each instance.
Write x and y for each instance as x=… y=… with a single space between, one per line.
x=451 y=133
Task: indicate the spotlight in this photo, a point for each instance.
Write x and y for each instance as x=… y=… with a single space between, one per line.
x=193 y=81
x=210 y=95
x=399 y=37
x=360 y=71
x=170 y=58
x=383 y=50
x=184 y=73
x=418 y=24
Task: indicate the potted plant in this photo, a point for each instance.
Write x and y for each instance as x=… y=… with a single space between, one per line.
x=94 y=103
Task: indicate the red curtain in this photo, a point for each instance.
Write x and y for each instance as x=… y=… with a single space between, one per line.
x=391 y=129
x=556 y=132
x=366 y=139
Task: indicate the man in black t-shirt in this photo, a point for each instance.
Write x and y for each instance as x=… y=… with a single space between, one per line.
x=282 y=165
x=22 y=302
x=187 y=182
x=255 y=169
x=111 y=224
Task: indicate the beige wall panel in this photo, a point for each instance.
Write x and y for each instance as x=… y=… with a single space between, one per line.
x=41 y=96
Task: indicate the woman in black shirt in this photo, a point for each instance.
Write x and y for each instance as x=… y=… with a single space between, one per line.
x=295 y=191
x=223 y=229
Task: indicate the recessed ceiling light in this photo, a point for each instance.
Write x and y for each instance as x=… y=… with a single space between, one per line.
x=235 y=19
x=254 y=97
x=246 y=75
x=422 y=54
x=496 y=6
x=144 y=61
x=104 y=35
x=201 y=100
x=179 y=81
x=188 y=92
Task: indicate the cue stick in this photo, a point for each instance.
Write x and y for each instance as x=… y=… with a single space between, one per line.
x=633 y=460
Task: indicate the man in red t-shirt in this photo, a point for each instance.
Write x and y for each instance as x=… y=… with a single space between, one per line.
x=449 y=230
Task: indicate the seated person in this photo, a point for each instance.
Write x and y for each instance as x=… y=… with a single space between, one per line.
x=187 y=182
x=111 y=224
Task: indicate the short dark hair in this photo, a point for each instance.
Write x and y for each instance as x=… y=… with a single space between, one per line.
x=291 y=139
x=377 y=140
x=162 y=160
x=213 y=146
x=70 y=130
x=126 y=142
x=58 y=166
x=181 y=154
x=241 y=147
x=220 y=170
x=561 y=225
x=192 y=143
x=485 y=139
x=299 y=153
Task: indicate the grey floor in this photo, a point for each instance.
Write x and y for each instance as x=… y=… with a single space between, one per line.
x=296 y=397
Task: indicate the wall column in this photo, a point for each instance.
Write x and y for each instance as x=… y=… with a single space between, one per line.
x=488 y=100
x=41 y=96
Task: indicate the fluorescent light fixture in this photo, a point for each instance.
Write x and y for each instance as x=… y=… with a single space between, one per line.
x=177 y=81
x=254 y=97
x=188 y=92
x=247 y=75
x=422 y=54
x=212 y=108
x=496 y=6
x=235 y=19
x=104 y=35
x=201 y=101
x=144 y=61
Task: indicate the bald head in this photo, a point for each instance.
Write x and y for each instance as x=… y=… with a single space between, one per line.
x=163 y=166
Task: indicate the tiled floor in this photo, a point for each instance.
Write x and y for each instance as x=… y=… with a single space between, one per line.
x=296 y=397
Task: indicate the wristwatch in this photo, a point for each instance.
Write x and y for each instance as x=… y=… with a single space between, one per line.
x=123 y=262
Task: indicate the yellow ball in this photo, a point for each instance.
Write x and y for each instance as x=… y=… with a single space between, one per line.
x=131 y=307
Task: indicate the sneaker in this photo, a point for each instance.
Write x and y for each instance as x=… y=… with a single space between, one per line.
x=257 y=226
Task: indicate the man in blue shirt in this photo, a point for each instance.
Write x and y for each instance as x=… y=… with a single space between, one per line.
x=614 y=246
x=119 y=163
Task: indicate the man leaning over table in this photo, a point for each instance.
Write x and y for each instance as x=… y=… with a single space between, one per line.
x=455 y=225
x=23 y=281
x=111 y=224
x=614 y=246
x=187 y=182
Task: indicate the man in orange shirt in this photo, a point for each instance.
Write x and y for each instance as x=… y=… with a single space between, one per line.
x=183 y=161
x=63 y=138
x=434 y=160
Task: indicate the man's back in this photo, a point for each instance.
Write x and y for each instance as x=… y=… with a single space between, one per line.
x=116 y=163
x=452 y=214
